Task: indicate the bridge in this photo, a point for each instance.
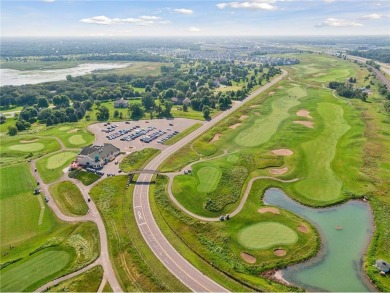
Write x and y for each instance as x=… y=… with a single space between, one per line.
x=144 y=171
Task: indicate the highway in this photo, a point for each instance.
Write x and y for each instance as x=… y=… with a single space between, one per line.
x=172 y=260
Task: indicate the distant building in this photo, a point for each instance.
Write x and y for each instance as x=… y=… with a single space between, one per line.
x=187 y=102
x=382 y=265
x=121 y=103
x=177 y=101
x=96 y=156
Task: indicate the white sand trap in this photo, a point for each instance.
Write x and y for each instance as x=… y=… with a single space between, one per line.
x=28 y=141
x=216 y=137
x=308 y=124
x=254 y=106
x=303 y=229
x=234 y=126
x=257 y=113
x=73 y=130
x=304 y=113
x=283 y=152
x=279 y=87
x=243 y=117
x=278 y=171
x=280 y=252
x=247 y=257
x=271 y=93
x=269 y=210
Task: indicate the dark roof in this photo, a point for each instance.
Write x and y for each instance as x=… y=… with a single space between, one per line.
x=90 y=149
x=382 y=265
x=99 y=150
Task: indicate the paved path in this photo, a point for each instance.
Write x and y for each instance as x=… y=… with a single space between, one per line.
x=172 y=260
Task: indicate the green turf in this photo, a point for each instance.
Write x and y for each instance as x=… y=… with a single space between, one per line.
x=262 y=129
x=232 y=158
x=321 y=182
x=77 y=139
x=265 y=235
x=138 y=159
x=64 y=128
x=19 y=277
x=86 y=282
x=85 y=177
x=69 y=198
x=50 y=168
x=28 y=147
x=16 y=179
x=208 y=178
x=182 y=134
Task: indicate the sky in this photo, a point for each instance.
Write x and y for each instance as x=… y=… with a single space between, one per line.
x=124 y=18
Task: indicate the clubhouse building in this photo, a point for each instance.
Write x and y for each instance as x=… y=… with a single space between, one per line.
x=96 y=156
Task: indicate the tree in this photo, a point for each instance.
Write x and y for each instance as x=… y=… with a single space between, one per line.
x=185 y=108
x=136 y=111
x=387 y=106
x=168 y=108
x=12 y=130
x=103 y=113
x=206 y=112
x=116 y=114
x=43 y=102
x=20 y=125
x=87 y=105
x=2 y=118
x=148 y=102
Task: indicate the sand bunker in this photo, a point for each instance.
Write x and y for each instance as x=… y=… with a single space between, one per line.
x=271 y=93
x=257 y=113
x=278 y=171
x=28 y=141
x=304 y=113
x=216 y=137
x=234 y=126
x=269 y=210
x=308 y=124
x=283 y=152
x=243 y=117
x=339 y=227
x=303 y=229
x=73 y=130
x=280 y=252
x=247 y=257
x=279 y=87
x=254 y=106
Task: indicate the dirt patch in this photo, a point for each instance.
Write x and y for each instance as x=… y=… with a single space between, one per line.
x=280 y=252
x=339 y=227
x=257 y=113
x=243 y=117
x=72 y=130
x=279 y=87
x=303 y=229
x=254 y=106
x=269 y=210
x=216 y=137
x=247 y=257
x=308 y=124
x=271 y=93
x=283 y=152
x=28 y=141
x=278 y=171
x=234 y=126
x=304 y=113
x=151 y=67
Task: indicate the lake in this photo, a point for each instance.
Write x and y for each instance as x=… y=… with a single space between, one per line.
x=18 y=77
x=338 y=266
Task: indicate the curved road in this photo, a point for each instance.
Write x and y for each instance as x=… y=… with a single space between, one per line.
x=172 y=260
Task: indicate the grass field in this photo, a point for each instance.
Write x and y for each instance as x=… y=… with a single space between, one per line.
x=39 y=65
x=28 y=147
x=42 y=265
x=208 y=178
x=86 y=282
x=182 y=134
x=138 y=159
x=77 y=139
x=50 y=168
x=265 y=235
x=85 y=177
x=69 y=198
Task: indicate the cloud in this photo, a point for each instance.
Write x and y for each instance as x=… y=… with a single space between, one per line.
x=193 y=29
x=336 y=22
x=372 y=16
x=329 y=1
x=48 y=1
x=183 y=11
x=257 y=5
x=142 y=20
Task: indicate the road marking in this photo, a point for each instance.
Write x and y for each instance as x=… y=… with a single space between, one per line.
x=139 y=215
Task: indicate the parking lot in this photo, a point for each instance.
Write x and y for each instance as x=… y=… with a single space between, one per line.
x=130 y=136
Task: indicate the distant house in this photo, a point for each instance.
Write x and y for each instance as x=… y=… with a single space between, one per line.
x=382 y=265
x=121 y=103
x=177 y=101
x=96 y=156
x=187 y=102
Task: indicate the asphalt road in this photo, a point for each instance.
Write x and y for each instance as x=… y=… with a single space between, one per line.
x=172 y=260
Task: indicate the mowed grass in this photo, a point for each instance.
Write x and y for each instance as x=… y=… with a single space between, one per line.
x=138 y=159
x=86 y=282
x=321 y=183
x=23 y=276
x=265 y=235
x=77 y=139
x=260 y=130
x=69 y=198
x=208 y=178
x=87 y=178
x=182 y=134
x=51 y=167
x=15 y=180
x=28 y=147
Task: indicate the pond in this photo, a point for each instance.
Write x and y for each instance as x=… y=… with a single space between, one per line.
x=345 y=233
x=18 y=77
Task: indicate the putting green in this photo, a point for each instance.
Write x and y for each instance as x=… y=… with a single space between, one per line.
x=58 y=160
x=19 y=277
x=321 y=183
x=64 y=128
x=262 y=129
x=266 y=234
x=208 y=178
x=232 y=158
x=28 y=147
x=77 y=139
